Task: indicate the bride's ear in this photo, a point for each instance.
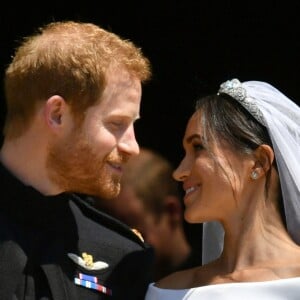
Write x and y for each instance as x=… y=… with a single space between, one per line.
x=264 y=157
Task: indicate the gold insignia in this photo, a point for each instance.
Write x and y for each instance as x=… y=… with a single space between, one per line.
x=138 y=234
x=88 y=259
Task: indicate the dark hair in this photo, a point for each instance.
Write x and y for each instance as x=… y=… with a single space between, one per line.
x=224 y=119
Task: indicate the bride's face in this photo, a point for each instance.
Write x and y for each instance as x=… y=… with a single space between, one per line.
x=213 y=179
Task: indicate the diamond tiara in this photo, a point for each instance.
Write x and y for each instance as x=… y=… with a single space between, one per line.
x=235 y=89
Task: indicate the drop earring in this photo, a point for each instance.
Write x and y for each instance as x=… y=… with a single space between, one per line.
x=254 y=175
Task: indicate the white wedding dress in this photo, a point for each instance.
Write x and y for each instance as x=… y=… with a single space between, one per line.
x=281 y=289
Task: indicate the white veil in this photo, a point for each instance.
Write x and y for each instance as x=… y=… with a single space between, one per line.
x=281 y=116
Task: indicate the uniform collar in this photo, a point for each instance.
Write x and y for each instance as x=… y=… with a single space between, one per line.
x=26 y=205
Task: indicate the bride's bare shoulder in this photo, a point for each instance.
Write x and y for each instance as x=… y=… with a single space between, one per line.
x=177 y=280
x=186 y=279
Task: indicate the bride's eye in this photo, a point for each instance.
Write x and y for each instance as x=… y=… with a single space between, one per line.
x=198 y=147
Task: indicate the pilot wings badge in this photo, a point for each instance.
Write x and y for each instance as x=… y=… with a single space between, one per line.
x=87 y=262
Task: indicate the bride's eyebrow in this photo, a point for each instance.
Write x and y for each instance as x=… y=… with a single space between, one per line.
x=193 y=137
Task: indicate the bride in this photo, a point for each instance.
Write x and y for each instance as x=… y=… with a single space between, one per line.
x=242 y=169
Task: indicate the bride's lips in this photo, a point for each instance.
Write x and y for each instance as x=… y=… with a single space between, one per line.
x=189 y=190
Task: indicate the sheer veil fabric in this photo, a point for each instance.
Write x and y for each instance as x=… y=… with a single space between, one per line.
x=281 y=116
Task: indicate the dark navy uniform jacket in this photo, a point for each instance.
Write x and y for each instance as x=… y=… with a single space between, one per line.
x=60 y=247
